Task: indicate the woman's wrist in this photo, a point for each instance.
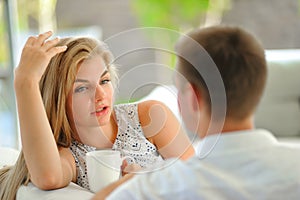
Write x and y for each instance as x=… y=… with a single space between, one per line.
x=22 y=81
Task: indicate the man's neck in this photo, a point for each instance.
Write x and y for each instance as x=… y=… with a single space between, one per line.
x=232 y=126
x=229 y=125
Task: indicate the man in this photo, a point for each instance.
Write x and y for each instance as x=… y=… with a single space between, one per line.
x=234 y=160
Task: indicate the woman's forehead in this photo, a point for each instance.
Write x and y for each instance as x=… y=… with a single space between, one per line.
x=94 y=66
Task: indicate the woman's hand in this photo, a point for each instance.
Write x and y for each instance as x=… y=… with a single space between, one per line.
x=36 y=55
x=129 y=168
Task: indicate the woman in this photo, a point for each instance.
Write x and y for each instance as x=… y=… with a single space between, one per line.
x=64 y=88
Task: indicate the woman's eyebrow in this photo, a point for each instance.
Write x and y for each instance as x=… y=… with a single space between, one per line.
x=86 y=81
x=81 y=80
x=104 y=73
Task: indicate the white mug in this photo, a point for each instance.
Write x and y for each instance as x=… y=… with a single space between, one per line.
x=103 y=167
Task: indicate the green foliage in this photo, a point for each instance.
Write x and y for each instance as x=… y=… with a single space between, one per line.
x=177 y=15
x=170 y=14
x=3 y=38
x=123 y=101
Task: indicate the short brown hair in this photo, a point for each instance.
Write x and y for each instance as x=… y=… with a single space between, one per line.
x=241 y=62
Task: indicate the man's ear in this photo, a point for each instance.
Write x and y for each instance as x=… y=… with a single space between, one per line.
x=195 y=97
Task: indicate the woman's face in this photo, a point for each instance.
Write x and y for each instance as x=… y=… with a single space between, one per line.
x=90 y=103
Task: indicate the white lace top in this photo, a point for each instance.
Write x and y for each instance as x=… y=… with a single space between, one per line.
x=130 y=141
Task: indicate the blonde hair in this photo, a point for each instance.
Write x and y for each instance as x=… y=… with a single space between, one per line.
x=55 y=84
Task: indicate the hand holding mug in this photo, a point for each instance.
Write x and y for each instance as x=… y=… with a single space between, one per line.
x=104 y=167
x=129 y=168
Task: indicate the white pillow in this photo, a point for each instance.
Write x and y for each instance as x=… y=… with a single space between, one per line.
x=70 y=192
x=166 y=94
x=279 y=110
x=8 y=156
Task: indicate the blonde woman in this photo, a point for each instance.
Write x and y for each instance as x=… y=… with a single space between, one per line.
x=64 y=88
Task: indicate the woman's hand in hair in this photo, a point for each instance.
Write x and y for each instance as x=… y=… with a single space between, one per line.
x=49 y=168
x=36 y=54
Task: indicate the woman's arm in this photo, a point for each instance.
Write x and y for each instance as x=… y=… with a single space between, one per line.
x=162 y=128
x=48 y=170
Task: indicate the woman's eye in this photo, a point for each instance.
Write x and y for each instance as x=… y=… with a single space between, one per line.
x=105 y=81
x=81 y=89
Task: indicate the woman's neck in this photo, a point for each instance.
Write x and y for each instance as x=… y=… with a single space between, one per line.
x=100 y=137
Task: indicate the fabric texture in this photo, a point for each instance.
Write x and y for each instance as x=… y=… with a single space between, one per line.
x=130 y=141
x=237 y=165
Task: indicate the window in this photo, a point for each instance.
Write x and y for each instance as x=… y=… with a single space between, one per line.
x=8 y=122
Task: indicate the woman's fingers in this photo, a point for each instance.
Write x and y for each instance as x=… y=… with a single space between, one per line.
x=55 y=50
x=43 y=37
x=47 y=46
x=132 y=168
x=35 y=58
x=50 y=43
x=31 y=40
x=38 y=40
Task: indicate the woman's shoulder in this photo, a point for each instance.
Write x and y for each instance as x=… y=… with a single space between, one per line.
x=149 y=104
x=152 y=115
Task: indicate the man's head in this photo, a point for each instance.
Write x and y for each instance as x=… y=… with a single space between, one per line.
x=240 y=60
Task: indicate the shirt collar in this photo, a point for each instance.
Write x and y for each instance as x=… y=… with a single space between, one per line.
x=234 y=141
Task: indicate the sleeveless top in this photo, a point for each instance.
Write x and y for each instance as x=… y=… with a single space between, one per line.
x=130 y=141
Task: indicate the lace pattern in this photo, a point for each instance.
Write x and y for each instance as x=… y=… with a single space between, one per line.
x=130 y=141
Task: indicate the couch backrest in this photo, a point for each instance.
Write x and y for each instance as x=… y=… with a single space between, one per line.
x=279 y=110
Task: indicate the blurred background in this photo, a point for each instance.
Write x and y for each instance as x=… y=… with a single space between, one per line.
x=120 y=23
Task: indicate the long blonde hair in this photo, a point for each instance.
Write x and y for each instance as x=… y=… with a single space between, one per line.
x=55 y=85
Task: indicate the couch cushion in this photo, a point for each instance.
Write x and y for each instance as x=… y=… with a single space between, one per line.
x=279 y=110
x=71 y=192
x=8 y=156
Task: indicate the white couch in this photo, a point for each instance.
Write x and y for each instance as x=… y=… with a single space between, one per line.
x=279 y=112
x=8 y=156
x=71 y=192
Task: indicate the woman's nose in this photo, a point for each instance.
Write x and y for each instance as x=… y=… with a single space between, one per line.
x=99 y=93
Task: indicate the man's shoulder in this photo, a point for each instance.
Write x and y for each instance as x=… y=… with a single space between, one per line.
x=161 y=180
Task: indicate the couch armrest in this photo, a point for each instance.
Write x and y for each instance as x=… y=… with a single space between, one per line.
x=71 y=192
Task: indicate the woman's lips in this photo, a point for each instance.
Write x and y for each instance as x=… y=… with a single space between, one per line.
x=101 y=111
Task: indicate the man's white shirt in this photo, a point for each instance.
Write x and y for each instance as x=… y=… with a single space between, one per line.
x=237 y=165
